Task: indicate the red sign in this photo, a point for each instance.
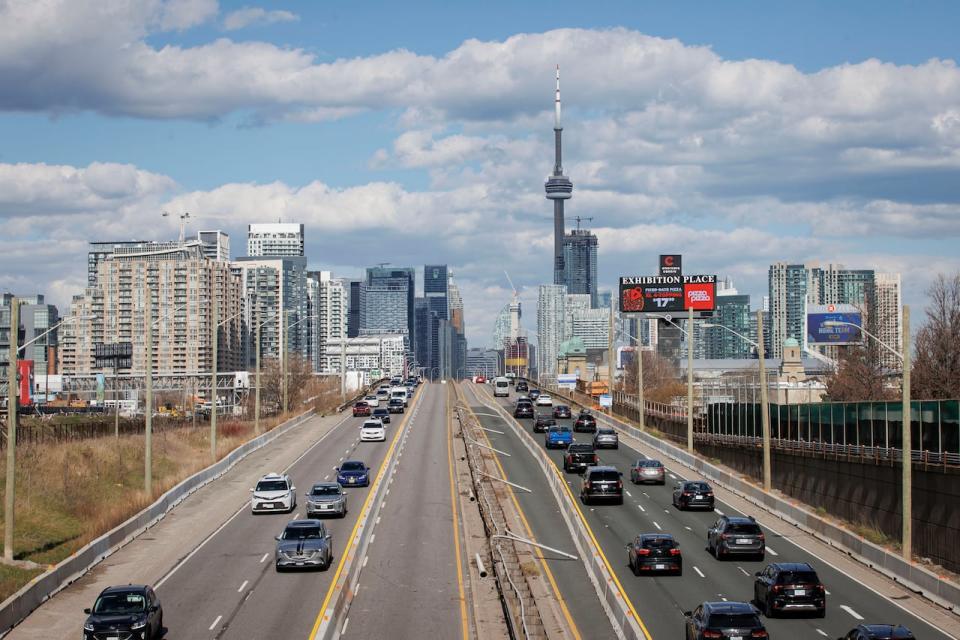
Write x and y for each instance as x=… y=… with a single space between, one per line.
x=700 y=296
x=25 y=382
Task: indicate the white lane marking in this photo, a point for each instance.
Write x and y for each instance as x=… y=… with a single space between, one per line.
x=699 y=573
x=722 y=598
x=688 y=528
x=346 y=451
x=772 y=552
x=334 y=468
x=242 y=586
x=826 y=592
x=743 y=571
x=264 y=558
x=326 y=477
x=641 y=508
x=213 y=626
x=657 y=525
x=343 y=629
x=365 y=559
x=629 y=494
x=378 y=520
x=719 y=513
x=851 y=612
x=296 y=516
x=823 y=633
x=373 y=537
x=341 y=459
x=673 y=476
x=666 y=511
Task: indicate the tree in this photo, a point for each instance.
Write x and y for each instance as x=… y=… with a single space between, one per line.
x=858 y=377
x=661 y=382
x=936 y=367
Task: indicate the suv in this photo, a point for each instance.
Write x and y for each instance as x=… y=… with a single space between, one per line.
x=789 y=586
x=382 y=414
x=534 y=394
x=130 y=611
x=606 y=438
x=326 y=497
x=542 y=422
x=395 y=405
x=304 y=544
x=654 y=552
x=647 y=471
x=561 y=411
x=724 y=620
x=735 y=535
x=523 y=410
x=601 y=483
x=361 y=409
x=585 y=422
x=693 y=494
x=522 y=386
x=579 y=457
x=372 y=400
x=274 y=492
x=879 y=632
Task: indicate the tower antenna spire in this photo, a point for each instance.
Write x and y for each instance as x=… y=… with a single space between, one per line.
x=556 y=123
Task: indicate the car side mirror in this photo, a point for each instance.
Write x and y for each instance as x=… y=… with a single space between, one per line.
x=251 y=490
x=154 y=608
x=87 y=611
x=327 y=537
x=277 y=538
x=620 y=472
x=758 y=573
x=336 y=468
x=687 y=614
x=293 y=488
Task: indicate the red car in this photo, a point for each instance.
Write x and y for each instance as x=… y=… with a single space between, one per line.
x=361 y=409
x=481 y=380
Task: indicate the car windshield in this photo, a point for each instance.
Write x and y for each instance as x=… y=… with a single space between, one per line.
x=297 y=533
x=113 y=604
x=607 y=432
x=580 y=448
x=352 y=466
x=604 y=476
x=798 y=577
x=658 y=542
x=361 y=404
x=272 y=485
x=649 y=463
x=728 y=620
x=326 y=490
x=697 y=486
x=371 y=425
x=742 y=528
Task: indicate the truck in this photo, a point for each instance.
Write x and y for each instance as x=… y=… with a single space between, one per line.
x=579 y=457
x=558 y=437
x=501 y=387
x=400 y=392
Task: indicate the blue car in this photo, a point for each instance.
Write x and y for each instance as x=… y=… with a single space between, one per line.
x=558 y=437
x=353 y=473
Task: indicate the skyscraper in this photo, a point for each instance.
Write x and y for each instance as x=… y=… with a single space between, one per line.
x=733 y=312
x=889 y=317
x=788 y=284
x=558 y=188
x=386 y=304
x=580 y=264
x=435 y=293
x=551 y=316
x=275 y=239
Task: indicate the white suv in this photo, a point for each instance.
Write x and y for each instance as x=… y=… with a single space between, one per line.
x=274 y=492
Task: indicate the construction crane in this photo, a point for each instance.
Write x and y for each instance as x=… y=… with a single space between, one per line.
x=578 y=219
x=184 y=219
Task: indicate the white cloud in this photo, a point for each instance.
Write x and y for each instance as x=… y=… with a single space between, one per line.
x=184 y=14
x=242 y=18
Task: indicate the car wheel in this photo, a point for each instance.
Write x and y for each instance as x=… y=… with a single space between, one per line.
x=279 y=569
x=620 y=500
x=822 y=613
x=679 y=572
x=634 y=569
x=768 y=609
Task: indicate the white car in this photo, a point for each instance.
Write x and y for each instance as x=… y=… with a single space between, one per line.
x=544 y=400
x=372 y=431
x=274 y=492
x=373 y=401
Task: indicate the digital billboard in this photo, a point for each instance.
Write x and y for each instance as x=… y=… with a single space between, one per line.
x=822 y=331
x=668 y=294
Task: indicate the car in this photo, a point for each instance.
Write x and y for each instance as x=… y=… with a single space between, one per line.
x=561 y=411
x=544 y=400
x=409 y=394
x=274 y=492
x=481 y=380
x=534 y=394
x=879 y=632
x=326 y=498
x=395 y=405
x=523 y=410
x=372 y=400
x=558 y=437
x=578 y=457
x=361 y=409
x=643 y=471
x=395 y=381
x=522 y=386
x=130 y=611
x=382 y=414
x=693 y=494
x=654 y=552
x=601 y=483
x=606 y=438
x=542 y=422
x=372 y=431
x=354 y=473
x=736 y=535
x=789 y=586
x=383 y=395
x=585 y=422
x=724 y=620
x=304 y=544
x=520 y=399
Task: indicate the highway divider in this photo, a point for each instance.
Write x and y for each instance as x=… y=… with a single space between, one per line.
x=936 y=588
x=18 y=606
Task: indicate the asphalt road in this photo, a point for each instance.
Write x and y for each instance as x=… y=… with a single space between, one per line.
x=410 y=586
x=229 y=587
x=660 y=601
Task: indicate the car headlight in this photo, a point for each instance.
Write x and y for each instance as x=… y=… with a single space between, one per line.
x=88 y=626
x=139 y=624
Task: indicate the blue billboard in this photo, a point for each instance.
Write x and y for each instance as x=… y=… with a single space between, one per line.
x=834 y=324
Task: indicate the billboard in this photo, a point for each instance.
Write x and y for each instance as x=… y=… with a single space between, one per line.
x=668 y=294
x=820 y=331
x=670 y=264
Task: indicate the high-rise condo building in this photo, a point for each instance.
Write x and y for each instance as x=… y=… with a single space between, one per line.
x=281 y=239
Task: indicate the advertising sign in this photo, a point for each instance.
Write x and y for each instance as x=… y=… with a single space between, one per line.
x=25 y=382
x=606 y=400
x=567 y=381
x=822 y=331
x=668 y=294
x=670 y=264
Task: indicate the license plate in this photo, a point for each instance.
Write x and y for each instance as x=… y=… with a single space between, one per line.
x=744 y=540
x=659 y=566
x=299 y=564
x=352 y=480
x=799 y=592
x=736 y=637
x=698 y=497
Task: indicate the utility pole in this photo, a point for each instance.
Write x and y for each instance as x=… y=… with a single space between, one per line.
x=690 y=381
x=343 y=369
x=611 y=357
x=764 y=403
x=907 y=447
x=12 y=402
x=116 y=398
x=640 y=404
x=148 y=408
x=215 y=316
x=256 y=396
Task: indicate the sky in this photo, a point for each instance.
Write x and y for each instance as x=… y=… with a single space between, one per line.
x=736 y=133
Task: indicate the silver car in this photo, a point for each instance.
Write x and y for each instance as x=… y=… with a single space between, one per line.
x=606 y=438
x=304 y=544
x=326 y=498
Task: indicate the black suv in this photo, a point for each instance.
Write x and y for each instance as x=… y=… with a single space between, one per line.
x=132 y=611
x=542 y=422
x=534 y=394
x=561 y=411
x=724 y=620
x=735 y=535
x=693 y=494
x=601 y=483
x=654 y=552
x=585 y=422
x=879 y=632
x=522 y=386
x=523 y=410
x=789 y=586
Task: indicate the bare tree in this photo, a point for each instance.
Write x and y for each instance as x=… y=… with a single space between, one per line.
x=661 y=382
x=858 y=377
x=936 y=367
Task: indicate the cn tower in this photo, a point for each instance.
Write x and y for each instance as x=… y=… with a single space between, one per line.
x=558 y=188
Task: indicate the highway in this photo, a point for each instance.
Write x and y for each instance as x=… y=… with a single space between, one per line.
x=660 y=601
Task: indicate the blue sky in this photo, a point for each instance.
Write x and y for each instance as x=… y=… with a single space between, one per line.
x=738 y=133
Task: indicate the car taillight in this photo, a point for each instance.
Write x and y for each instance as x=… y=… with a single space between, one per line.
x=710 y=494
x=777 y=588
x=643 y=552
x=674 y=551
x=596 y=458
x=761 y=537
x=758 y=633
x=619 y=484
x=724 y=536
x=821 y=588
x=707 y=633
x=687 y=494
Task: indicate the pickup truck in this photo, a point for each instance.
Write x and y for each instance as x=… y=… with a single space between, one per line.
x=558 y=437
x=579 y=457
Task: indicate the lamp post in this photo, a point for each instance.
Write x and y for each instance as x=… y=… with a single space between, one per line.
x=286 y=358
x=11 y=431
x=256 y=396
x=640 y=402
x=689 y=335
x=906 y=447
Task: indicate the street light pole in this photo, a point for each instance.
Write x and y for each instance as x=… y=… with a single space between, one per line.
x=215 y=323
x=907 y=448
x=764 y=405
x=256 y=397
x=148 y=409
x=12 y=402
x=690 y=381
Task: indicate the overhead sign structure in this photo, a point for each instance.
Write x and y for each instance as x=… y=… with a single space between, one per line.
x=834 y=324
x=668 y=294
x=113 y=355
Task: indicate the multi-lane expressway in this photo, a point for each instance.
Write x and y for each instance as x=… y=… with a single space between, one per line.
x=660 y=601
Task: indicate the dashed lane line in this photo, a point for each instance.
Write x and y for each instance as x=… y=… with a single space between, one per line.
x=215 y=623
x=699 y=573
x=243 y=586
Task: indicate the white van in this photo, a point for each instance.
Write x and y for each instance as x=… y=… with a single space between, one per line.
x=399 y=392
x=501 y=387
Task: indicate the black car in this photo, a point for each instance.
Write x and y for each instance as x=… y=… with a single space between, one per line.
x=736 y=535
x=395 y=405
x=724 y=620
x=585 y=422
x=561 y=411
x=601 y=483
x=534 y=394
x=879 y=632
x=382 y=414
x=542 y=422
x=789 y=586
x=693 y=494
x=522 y=387
x=654 y=552
x=523 y=410
x=132 y=611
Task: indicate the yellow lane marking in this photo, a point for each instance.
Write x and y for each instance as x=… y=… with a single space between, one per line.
x=464 y=624
x=347 y=554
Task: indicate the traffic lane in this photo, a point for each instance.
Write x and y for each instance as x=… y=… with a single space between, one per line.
x=214 y=582
x=549 y=528
x=286 y=604
x=409 y=582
